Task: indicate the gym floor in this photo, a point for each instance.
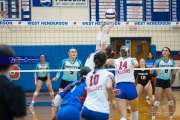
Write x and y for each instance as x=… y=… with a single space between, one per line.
x=43 y=110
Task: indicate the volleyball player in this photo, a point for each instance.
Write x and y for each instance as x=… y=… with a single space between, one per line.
x=100 y=46
x=70 y=63
x=150 y=63
x=144 y=79
x=124 y=67
x=163 y=81
x=99 y=90
x=40 y=77
x=73 y=97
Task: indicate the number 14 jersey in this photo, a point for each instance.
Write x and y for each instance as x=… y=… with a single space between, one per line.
x=124 y=68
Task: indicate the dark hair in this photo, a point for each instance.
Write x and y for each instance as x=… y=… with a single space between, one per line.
x=152 y=56
x=109 y=52
x=167 y=48
x=83 y=72
x=6 y=50
x=99 y=60
x=42 y=54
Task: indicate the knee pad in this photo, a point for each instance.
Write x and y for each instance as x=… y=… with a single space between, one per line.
x=156 y=103
x=51 y=93
x=170 y=103
x=36 y=93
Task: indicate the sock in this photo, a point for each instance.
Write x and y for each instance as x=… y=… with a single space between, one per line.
x=153 y=117
x=129 y=107
x=123 y=119
x=171 y=117
x=33 y=101
x=135 y=115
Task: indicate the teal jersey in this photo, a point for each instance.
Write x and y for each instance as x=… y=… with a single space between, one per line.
x=40 y=66
x=67 y=64
x=164 y=74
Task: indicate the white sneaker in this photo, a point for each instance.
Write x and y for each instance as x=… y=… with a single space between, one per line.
x=147 y=98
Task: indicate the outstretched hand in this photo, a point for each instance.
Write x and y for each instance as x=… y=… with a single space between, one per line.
x=111 y=25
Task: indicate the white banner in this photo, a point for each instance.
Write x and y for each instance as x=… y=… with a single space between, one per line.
x=72 y=3
x=84 y=23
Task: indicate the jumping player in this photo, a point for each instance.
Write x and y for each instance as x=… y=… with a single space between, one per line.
x=70 y=63
x=42 y=77
x=124 y=67
x=144 y=80
x=99 y=90
x=100 y=46
x=163 y=81
x=73 y=97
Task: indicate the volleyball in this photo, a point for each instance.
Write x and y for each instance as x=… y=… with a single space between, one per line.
x=110 y=14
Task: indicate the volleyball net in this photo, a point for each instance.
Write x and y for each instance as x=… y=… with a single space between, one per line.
x=29 y=39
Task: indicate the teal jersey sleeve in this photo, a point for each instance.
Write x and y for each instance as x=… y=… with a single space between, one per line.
x=63 y=62
x=157 y=62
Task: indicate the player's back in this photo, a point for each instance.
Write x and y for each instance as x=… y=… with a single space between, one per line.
x=97 y=97
x=73 y=96
x=124 y=69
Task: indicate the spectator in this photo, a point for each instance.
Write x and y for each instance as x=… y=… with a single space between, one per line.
x=12 y=97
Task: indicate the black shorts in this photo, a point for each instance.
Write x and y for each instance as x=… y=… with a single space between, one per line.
x=42 y=78
x=163 y=83
x=64 y=83
x=143 y=83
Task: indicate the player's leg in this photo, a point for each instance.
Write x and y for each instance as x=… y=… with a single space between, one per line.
x=38 y=87
x=168 y=93
x=121 y=105
x=148 y=89
x=128 y=106
x=121 y=100
x=158 y=93
x=132 y=96
x=139 y=88
x=51 y=92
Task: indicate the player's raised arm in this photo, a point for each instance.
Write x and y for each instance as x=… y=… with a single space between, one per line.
x=99 y=36
x=105 y=37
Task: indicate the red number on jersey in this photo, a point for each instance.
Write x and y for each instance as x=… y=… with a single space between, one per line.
x=95 y=80
x=123 y=65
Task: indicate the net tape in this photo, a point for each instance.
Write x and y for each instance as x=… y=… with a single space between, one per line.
x=63 y=70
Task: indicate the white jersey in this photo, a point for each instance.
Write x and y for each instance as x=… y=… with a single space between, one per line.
x=124 y=68
x=97 y=97
x=90 y=61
